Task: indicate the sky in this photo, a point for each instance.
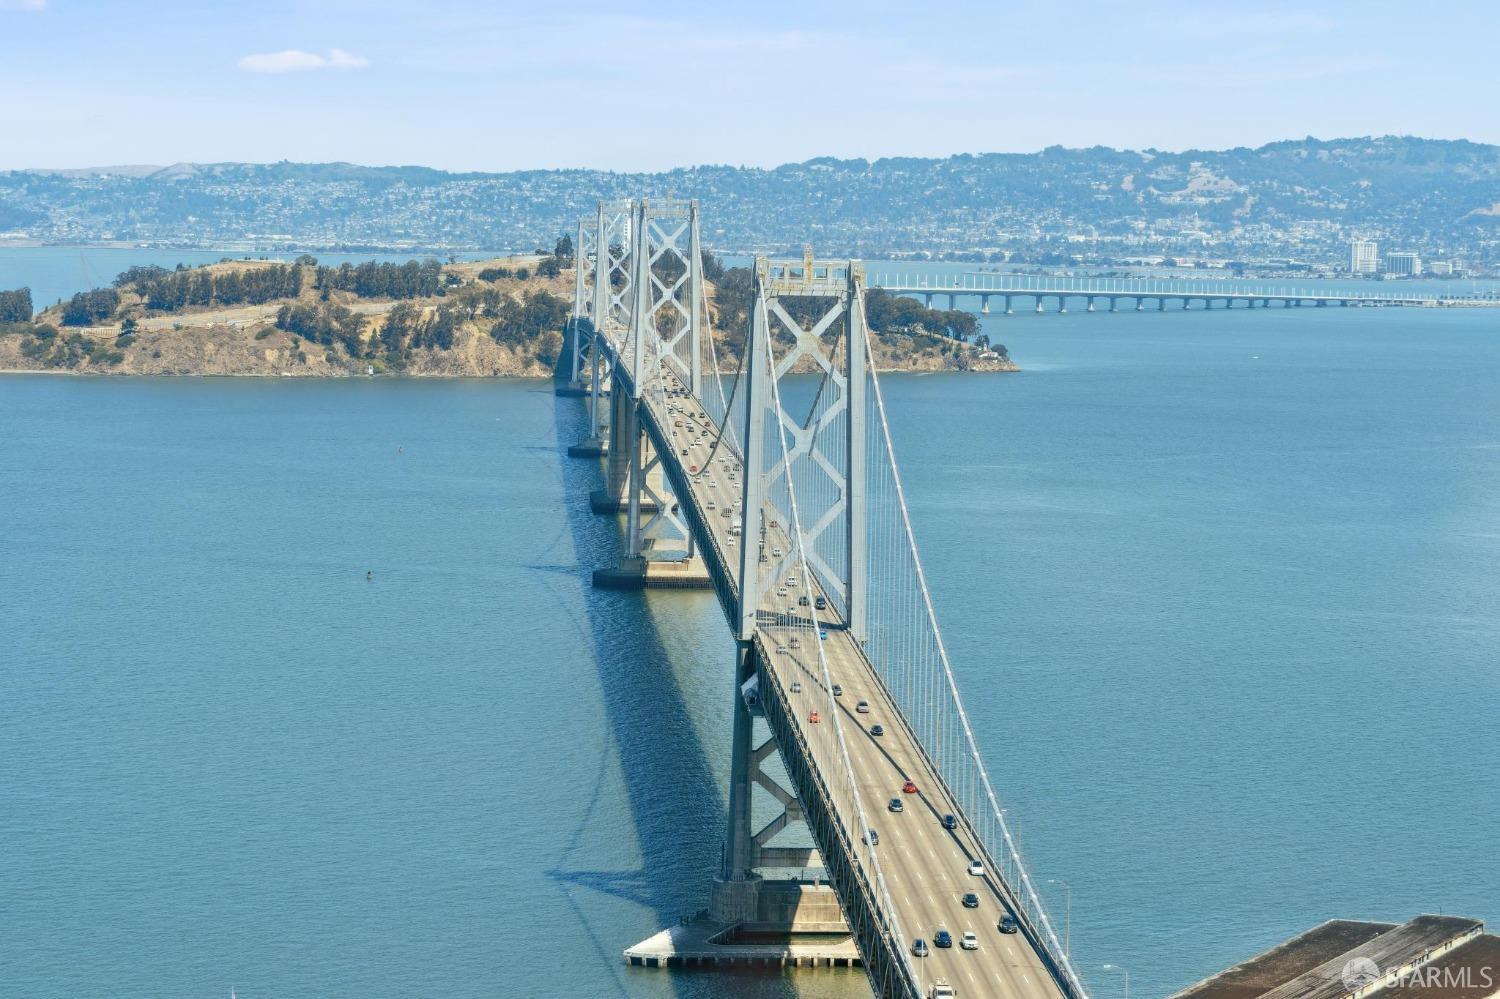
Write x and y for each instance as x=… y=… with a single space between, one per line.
x=497 y=85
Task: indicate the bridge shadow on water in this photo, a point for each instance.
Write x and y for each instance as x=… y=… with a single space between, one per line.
x=675 y=789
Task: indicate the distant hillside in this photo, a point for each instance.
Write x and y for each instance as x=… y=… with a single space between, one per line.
x=1437 y=197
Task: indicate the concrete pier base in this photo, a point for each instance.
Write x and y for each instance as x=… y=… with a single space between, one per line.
x=704 y=943
x=635 y=573
x=756 y=922
x=604 y=501
x=570 y=391
x=594 y=447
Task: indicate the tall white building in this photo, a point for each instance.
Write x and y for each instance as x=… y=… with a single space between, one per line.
x=1363 y=257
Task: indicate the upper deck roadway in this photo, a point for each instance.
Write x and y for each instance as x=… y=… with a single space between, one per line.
x=926 y=866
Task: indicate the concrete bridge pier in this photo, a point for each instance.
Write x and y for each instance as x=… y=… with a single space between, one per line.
x=1140 y=304
x=927 y=300
x=1008 y=310
x=1039 y=305
x=1062 y=305
x=1090 y=305
x=1161 y=305
x=984 y=305
x=1114 y=304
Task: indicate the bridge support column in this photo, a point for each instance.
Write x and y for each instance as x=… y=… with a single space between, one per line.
x=1140 y=304
x=594 y=446
x=739 y=837
x=1114 y=304
x=1062 y=305
x=1091 y=304
x=1008 y=310
x=1161 y=305
x=1039 y=305
x=984 y=305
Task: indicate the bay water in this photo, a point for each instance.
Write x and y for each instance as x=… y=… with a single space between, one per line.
x=1221 y=591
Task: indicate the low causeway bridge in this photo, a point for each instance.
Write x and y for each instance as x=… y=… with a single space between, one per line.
x=1141 y=293
x=784 y=496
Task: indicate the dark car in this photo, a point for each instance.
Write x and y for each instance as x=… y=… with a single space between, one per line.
x=919 y=947
x=950 y=821
x=838 y=691
x=877 y=730
x=1008 y=924
x=971 y=900
x=942 y=938
x=820 y=603
x=872 y=837
x=896 y=805
x=802 y=601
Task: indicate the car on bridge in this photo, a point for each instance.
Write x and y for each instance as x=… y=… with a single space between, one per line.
x=976 y=868
x=820 y=603
x=863 y=707
x=877 y=730
x=896 y=805
x=942 y=938
x=942 y=990
x=813 y=717
x=919 y=947
x=1008 y=924
x=838 y=691
x=950 y=821
x=909 y=787
x=971 y=900
x=968 y=941
x=872 y=837
x=796 y=686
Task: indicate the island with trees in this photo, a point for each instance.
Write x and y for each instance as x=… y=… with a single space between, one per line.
x=497 y=317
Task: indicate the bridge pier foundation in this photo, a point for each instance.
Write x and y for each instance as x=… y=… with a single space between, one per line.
x=1114 y=304
x=1091 y=304
x=984 y=305
x=1008 y=310
x=1039 y=305
x=594 y=447
x=1161 y=305
x=1062 y=305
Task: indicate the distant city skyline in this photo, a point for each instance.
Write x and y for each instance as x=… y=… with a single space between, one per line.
x=464 y=86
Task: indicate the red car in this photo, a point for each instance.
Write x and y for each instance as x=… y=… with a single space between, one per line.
x=815 y=719
x=908 y=788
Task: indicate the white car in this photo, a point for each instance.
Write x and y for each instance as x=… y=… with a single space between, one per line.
x=976 y=868
x=968 y=941
x=791 y=580
x=796 y=686
x=781 y=591
x=781 y=650
x=712 y=505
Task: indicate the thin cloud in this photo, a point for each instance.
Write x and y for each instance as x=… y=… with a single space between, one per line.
x=297 y=61
x=23 y=4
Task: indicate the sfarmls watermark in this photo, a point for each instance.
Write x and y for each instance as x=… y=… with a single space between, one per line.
x=1361 y=971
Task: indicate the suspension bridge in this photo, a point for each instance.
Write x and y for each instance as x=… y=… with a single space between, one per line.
x=1144 y=293
x=772 y=479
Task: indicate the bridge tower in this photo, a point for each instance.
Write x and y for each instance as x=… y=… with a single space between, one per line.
x=663 y=339
x=601 y=289
x=578 y=335
x=818 y=312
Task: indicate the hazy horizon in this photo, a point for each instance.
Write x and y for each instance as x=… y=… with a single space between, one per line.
x=145 y=168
